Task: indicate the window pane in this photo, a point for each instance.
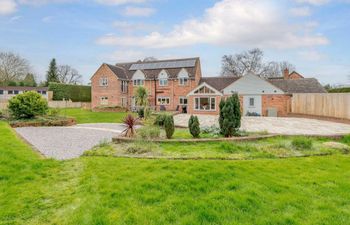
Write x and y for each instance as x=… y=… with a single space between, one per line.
x=251 y=101
x=1 y=92
x=212 y=107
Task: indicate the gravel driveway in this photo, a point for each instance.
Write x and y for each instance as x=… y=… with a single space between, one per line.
x=276 y=125
x=68 y=142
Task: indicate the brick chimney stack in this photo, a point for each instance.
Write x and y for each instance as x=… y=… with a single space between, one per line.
x=286 y=73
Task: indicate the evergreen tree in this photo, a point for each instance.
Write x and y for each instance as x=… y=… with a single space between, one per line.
x=237 y=112
x=193 y=125
x=29 y=80
x=221 y=115
x=169 y=126
x=52 y=74
x=230 y=116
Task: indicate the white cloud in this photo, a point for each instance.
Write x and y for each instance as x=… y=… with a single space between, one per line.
x=139 y=11
x=125 y=56
x=119 y=2
x=312 y=55
x=314 y=2
x=43 y=2
x=15 y=18
x=7 y=7
x=130 y=27
x=229 y=23
x=300 y=11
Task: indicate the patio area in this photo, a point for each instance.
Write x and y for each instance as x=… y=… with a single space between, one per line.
x=275 y=125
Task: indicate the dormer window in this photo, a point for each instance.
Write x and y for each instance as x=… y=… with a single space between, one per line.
x=183 y=77
x=138 y=78
x=163 y=78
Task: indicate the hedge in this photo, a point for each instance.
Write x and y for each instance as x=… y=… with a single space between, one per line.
x=340 y=90
x=76 y=93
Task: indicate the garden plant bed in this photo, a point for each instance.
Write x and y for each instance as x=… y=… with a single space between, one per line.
x=43 y=122
x=197 y=140
x=272 y=147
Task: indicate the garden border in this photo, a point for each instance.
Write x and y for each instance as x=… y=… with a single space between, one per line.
x=198 y=140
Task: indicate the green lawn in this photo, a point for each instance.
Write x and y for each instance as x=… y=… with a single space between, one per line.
x=87 y=116
x=100 y=190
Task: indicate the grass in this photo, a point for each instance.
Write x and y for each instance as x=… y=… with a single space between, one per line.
x=87 y=116
x=276 y=147
x=102 y=190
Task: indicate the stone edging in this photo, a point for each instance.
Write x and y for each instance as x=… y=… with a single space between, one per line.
x=249 y=138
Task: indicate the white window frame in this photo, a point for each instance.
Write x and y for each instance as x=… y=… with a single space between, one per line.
x=103 y=81
x=160 y=100
x=124 y=86
x=138 y=82
x=163 y=82
x=183 y=81
x=210 y=104
x=182 y=99
x=104 y=100
x=124 y=102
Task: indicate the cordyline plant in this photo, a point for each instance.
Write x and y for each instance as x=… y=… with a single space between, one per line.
x=130 y=123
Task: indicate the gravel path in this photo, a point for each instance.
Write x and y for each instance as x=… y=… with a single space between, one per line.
x=68 y=142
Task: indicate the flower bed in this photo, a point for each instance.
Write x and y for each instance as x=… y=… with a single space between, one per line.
x=43 y=122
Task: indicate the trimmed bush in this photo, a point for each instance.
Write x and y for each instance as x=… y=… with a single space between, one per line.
x=149 y=132
x=160 y=118
x=302 y=143
x=221 y=114
x=231 y=114
x=193 y=125
x=76 y=93
x=169 y=126
x=27 y=105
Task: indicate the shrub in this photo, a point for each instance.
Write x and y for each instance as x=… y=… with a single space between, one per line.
x=149 y=132
x=141 y=112
x=169 y=126
x=54 y=112
x=193 y=125
x=221 y=114
x=140 y=148
x=27 y=105
x=76 y=93
x=160 y=118
x=301 y=143
x=130 y=123
x=346 y=139
x=212 y=130
x=231 y=114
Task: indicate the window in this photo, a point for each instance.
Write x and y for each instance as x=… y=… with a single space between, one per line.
x=124 y=86
x=163 y=78
x=138 y=82
x=205 y=104
x=163 y=100
x=163 y=82
x=103 y=82
x=124 y=102
x=16 y=92
x=10 y=92
x=183 y=101
x=104 y=101
x=43 y=92
x=204 y=90
x=1 y=92
x=251 y=102
x=183 y=81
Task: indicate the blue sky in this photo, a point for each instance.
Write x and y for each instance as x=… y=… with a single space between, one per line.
x=313 y=35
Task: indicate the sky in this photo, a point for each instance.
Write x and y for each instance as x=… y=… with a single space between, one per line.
x=314 y=35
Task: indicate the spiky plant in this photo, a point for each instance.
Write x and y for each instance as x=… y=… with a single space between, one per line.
x=130 y=123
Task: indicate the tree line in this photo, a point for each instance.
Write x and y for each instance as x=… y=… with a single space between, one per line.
x=16 y=71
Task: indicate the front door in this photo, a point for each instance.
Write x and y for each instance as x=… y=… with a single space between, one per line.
x=252 y=105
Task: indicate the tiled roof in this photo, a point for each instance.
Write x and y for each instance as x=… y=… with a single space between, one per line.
x=304 y=85
x=120 y=71
x=153 y=73
x=219 y=83
x=20 y=88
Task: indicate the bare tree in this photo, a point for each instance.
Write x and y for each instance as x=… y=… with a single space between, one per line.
x=252 y=61
x=68 y=75
x=12 y=67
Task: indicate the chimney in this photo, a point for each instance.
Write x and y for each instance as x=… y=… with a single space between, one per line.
x=286 y=73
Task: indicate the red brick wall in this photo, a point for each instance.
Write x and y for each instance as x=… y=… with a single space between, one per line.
x=280 y=102
x=112 y=91
x=191 y=110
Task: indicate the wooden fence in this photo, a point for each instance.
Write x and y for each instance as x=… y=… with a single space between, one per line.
x=335 y=105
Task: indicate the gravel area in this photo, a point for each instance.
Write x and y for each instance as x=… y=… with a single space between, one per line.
x=68 y=142
x=276 y=125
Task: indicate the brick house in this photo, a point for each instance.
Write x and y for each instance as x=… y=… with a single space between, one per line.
x=178 y=85
x=167 y=82
x=258 y=96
